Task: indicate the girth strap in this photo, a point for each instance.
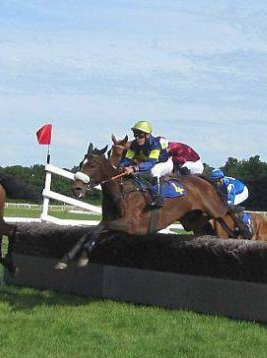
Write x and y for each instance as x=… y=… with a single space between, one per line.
x=153 y=222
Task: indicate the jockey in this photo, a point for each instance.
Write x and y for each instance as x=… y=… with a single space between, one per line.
x=233 y=190
x=185 y=159
x=148 y=158
x=234 y=193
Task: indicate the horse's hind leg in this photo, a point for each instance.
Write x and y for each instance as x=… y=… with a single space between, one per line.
x=7 y=260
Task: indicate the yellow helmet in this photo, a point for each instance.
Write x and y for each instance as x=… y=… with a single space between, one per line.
x=142 y=126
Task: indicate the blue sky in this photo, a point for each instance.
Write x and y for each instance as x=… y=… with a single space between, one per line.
x=197 y=70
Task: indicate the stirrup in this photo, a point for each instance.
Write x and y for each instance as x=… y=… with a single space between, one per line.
x=157 y=202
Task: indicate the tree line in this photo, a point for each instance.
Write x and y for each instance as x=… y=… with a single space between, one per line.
x=253 y=172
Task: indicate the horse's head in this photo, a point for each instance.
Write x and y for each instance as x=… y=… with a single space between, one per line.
x=92 y=171
x=118 y=149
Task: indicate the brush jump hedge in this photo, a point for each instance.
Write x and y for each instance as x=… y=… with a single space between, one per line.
x=205 y=274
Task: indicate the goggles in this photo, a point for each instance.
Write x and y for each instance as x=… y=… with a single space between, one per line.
x=139 y=134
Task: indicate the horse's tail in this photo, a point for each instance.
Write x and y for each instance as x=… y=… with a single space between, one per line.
x=16 y=189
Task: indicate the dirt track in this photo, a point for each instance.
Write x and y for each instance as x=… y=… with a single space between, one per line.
x=208 y=256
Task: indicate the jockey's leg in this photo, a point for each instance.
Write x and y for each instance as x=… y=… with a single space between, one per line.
x=244 y=229
x=157 y=171
x=158 y=199
x=193 y=167
x=185 y=170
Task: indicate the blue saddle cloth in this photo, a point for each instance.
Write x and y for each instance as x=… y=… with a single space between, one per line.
x=169 y=189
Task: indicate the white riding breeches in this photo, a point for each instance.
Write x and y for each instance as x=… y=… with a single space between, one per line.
x=194 y=167
x=162 y=168
x=239 y=198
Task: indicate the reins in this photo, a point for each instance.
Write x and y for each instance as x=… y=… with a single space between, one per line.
x=90 y=186
x=118 y=176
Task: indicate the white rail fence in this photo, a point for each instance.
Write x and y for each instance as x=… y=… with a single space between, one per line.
x=49 y=194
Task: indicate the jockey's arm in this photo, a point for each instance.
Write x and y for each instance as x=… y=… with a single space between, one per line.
x=144 y=165
x=147 y=165
x=152 y=159
x=231 y=194
x=128 y=160
x=125 y=163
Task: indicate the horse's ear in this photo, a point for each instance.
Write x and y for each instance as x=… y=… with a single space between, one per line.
x=113 y=138
x=125 y=140
x=103 y=150
x=90 y=148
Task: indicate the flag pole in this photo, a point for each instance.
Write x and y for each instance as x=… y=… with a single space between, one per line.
x=48 y=155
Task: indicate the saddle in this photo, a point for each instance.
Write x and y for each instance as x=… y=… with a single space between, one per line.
x=170 y=187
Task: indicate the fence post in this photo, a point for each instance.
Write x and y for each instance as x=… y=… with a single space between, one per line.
x=48 y=177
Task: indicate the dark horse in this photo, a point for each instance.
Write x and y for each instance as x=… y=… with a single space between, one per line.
x=125 y=206
x=259 y=225
x=13 y=188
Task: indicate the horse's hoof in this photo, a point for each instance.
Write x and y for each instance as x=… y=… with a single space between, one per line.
x=13 y=271
x=61 y=265
x=83 y=261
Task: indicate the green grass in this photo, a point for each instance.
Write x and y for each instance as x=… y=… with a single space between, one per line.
x=35 y=213
x=47 y=324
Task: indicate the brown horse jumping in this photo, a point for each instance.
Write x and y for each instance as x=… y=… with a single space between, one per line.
x=125 y=205
x=11 y=186
x=258 y=222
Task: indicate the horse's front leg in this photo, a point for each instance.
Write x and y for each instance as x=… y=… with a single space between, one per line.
x=121 y=224
x=77 y=249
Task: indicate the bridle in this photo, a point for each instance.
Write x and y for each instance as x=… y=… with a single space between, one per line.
x=85 y=179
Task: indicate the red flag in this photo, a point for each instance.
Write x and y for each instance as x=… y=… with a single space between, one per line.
x=44 y=134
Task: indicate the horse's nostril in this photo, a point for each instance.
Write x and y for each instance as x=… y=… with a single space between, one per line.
x=77 y=189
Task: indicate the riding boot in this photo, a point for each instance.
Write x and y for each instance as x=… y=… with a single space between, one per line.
x=158 y=199
x=185 y=171
x=242 y=228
